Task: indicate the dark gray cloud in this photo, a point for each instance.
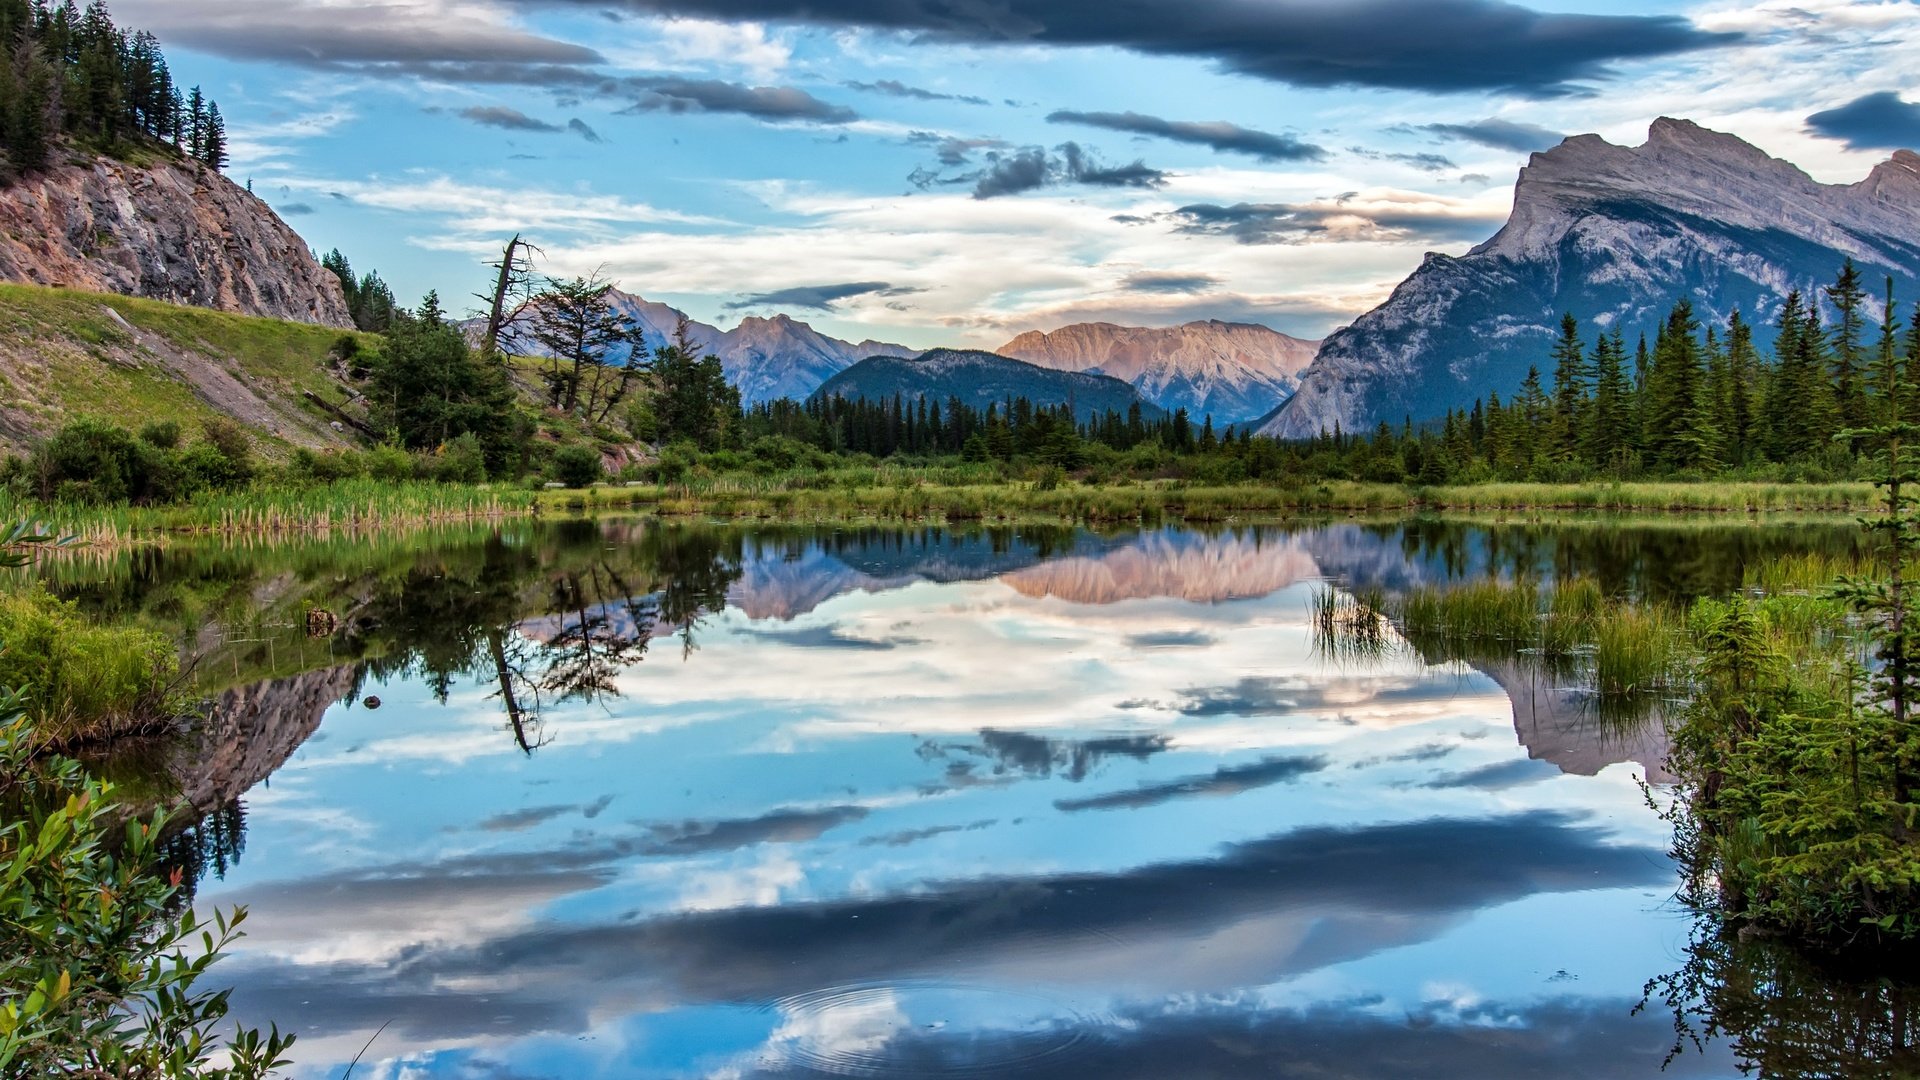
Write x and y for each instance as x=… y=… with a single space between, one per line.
x=294 y=209
x=820 y=298
x=1170 y=639
x=828 y=637
x=1498 y=776
x=1227 y=780
x=521 y=820
x=1285 y=223
x=913 y=836
x=1073 y=759
x=1218 y=134
x=1035 y=167
x=1500 y=134
x=775 y=103
x=896 y=88
x=1424 y=161
x=320 y=35
x=1871 y=122
x=579 y=127
x=1433 y=45
x=1272 y=695
x=783 y=826
x=506 y=119
x=953 y=151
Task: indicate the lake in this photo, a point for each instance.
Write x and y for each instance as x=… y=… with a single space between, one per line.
x=636 y=799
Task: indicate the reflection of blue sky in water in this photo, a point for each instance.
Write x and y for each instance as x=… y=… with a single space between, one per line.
x=1104 y=816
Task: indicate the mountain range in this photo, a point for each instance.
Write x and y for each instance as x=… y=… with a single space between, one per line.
x=980 y=379
x=1230 y=371
x=1613 y=235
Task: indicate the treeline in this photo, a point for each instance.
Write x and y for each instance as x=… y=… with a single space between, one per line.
x=70 y=72
x=369 y=300
x=1699 y=400
x=1004 y=430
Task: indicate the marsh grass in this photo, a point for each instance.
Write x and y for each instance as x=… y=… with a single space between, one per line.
x=1351 y=627
x=83 y=681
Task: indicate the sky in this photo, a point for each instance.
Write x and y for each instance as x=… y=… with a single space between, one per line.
x=955 y=172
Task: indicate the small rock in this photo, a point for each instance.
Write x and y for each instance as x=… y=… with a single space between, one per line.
x=371 y=702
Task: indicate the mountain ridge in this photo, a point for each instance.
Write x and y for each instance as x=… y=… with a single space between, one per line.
x=979 y=379
x=1612 y=234
x=1231 y=371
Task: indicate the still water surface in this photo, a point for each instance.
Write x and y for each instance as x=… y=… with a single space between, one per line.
x=664 y=801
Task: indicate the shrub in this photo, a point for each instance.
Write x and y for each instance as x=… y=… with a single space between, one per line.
x=230 y=437
x=389 y=463
x=461 y=461
x=100 y=979
x=164 y=434
x=79 y=680
x=326 y=466
x=577 y=466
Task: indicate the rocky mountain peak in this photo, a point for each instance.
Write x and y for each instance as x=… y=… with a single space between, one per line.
x=1230 y=371
x=1612 y=234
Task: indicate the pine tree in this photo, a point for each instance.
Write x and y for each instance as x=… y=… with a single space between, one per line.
x=1680 y=433
x=1570 y=374
x=1849 y=398
x=1743 y=373
x=1608 y=434
x=196 y=125
x=213 y=146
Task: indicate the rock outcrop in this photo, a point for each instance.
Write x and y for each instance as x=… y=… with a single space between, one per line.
x=1230 y=371
x=172 y=231
x=1614 y=235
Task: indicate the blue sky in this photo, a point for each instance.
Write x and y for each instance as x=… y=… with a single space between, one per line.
x=932 y=173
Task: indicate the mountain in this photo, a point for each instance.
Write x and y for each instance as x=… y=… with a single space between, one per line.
x=171 y=230
x=1231 y=371
x=980 y=379
x=1612 y=234
x=766 y=358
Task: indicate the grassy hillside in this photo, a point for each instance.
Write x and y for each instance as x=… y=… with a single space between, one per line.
x=65 y=354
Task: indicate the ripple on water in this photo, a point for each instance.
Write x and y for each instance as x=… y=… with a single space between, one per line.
x=926 y=1028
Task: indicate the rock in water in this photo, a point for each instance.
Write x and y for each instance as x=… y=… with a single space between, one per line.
x=1614 y=235
x=173 y=231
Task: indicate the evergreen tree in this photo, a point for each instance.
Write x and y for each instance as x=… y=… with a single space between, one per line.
x=1680 y=432
x=213 y=143
x=1849 y=397
x=1570 y=374
x=1743 y=374
x=1609 y=435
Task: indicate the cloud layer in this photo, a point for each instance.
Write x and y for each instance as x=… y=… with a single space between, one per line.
x=1217 y=134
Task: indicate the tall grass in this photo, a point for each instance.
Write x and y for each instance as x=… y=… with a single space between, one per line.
x=82 y=681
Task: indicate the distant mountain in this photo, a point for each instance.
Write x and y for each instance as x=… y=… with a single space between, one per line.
x=980 y=379
x=1231 y=371
x=766 y=358
x=1612 y=234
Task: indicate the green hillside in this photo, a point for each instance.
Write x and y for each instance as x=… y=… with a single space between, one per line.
x=65 y=354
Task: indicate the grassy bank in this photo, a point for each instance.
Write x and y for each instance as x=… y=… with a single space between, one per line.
x=899 y=494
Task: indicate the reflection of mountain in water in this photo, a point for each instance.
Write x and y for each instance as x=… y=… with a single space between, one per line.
x=788 y=580
x=248 y=733
x=1203 y=569
x=1561 y=725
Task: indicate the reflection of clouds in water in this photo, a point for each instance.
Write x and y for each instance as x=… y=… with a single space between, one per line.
x=1226 y=780
x=1262 y=910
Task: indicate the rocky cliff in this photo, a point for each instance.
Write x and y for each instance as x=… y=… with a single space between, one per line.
x=1230 y=371
x=168 y=231
x=1614 y=235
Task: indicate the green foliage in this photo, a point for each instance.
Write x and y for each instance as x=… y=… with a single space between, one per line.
x=97 y=976
x=578 y=466
x=429 y=389
x=82 y=681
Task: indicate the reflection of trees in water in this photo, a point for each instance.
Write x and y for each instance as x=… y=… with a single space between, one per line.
x=1787 y=1014
x=1039 y=756
x=212 y=844
x=599 y=597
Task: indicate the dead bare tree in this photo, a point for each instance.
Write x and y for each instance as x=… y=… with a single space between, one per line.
x=508 y=305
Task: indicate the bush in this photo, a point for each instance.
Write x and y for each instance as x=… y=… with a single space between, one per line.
x=389 y=463
x=100 y=979
x=326 y=466
x=81 y=681
x=577 y=466
x=164 y=434
x=230 y=438
x=461 y=461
